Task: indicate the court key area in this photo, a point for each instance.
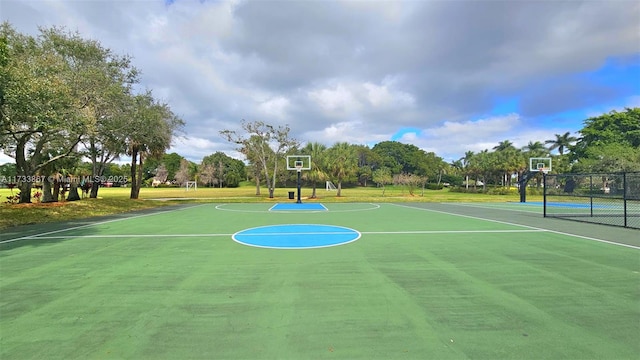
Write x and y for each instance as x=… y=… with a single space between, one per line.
x=321 y=281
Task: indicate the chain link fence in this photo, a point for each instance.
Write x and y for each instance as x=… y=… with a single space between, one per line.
x=604 y=198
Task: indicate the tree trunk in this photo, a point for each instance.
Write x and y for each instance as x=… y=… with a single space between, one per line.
x=95 y=181
x=22 y=169
x=46 y=191
x=94 y=189
x=140 y=168
x=134 y=173
x=339 y=193
x=257 y=185
x=56 y=189
x=73 y=191
x=271 y=186
x=313 y=193
x=25 y=192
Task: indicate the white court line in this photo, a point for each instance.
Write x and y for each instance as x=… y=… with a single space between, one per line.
x=37 y=237
x=452 y=231
x=222 y=208
x=93 y=224
x=525 y=226
x=498 y=207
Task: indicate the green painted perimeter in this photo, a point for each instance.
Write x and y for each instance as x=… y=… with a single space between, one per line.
x=174 y=285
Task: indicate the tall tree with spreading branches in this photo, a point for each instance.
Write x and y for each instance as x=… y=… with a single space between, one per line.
x=42 y=119
x=265 y=146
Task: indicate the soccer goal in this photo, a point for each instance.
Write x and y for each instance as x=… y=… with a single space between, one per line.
x=329 y=186
x=191 y=185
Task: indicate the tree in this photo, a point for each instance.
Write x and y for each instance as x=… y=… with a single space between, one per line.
x=207 y=174
x=507 y=160
x=561 y=142
x=535 y=149
x=342 y=163
x=610 y=157
x=163 y=168
x=173 y=162
x=466 y=161
x=396 y=156
x=162 y=174
x=392 y=154
x=220 y=169
x=265 y=146
x=182 y=175
x=102 y=83
x=608 y=141
x=410 y=181
x=150 y=131
x=7 y=171
x=40 y=112
x=382 y=177
x=503 y=146
x=317 y=173
x=368 y=160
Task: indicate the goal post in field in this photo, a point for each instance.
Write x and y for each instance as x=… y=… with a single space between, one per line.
x=191 y=185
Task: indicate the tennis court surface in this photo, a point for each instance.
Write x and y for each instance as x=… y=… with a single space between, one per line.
x=337 y=281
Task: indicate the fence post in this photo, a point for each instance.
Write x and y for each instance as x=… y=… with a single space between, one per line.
x=544 y=195
x=591 y=195
x=624 y=196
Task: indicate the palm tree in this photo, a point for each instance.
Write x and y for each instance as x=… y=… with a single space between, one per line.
x=466 y=161
x=317 y=173
x=342 y=163
x=535 y=148
x=507 y=160
x=503 y=145
x=561 y=142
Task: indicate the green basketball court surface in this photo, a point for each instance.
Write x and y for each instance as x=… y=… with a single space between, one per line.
x=337 y=281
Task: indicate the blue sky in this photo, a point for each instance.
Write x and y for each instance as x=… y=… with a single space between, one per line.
x=446 y=76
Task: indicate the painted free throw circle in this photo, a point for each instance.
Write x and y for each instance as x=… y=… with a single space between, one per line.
x=296 y=236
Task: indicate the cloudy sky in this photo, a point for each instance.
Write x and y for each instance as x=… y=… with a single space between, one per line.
x=447 y=76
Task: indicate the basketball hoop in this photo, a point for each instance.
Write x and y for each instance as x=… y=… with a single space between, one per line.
x=540 y=165
x=298 y=163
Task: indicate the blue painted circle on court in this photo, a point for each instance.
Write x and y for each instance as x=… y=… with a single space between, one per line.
x=296 y=236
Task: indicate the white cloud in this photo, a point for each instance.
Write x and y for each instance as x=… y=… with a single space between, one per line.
x=380 y=96
x=353 y=132
x=360 y=71
x=275 y=107
x=451 y=139
x=337 y=100
x=359 y=100
x=196 y=147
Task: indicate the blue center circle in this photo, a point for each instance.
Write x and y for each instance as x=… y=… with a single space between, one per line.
x=296 y=236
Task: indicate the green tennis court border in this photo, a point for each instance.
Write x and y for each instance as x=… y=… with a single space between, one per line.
x=502 y=287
